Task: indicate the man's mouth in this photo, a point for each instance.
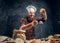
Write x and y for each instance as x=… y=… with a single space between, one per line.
x=31 y=15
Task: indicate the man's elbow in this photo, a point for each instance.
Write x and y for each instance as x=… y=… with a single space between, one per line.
x=23 y=27
x=45 y=18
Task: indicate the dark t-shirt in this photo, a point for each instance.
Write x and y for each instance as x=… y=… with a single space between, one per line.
x=30 y=33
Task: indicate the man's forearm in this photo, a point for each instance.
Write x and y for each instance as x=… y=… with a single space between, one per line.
x=44 y=15
x=27 y=26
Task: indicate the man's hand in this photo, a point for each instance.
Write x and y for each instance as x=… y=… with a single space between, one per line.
x=42 y=11
x=35 y=23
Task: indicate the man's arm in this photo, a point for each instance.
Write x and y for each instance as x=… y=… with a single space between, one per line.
x=29 y=25
x=43 y=12
x=26 y=27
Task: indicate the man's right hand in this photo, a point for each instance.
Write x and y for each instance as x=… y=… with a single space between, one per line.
x=34 y=23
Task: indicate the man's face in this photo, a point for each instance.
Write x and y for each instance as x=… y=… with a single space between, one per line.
x=31 y=14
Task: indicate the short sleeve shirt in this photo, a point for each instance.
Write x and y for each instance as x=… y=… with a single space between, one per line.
x=30 y=33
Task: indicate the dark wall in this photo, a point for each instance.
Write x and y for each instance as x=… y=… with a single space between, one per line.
x=11 y=12
x=56 y=15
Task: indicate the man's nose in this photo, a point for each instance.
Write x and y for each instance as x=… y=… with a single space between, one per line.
x=31 y=13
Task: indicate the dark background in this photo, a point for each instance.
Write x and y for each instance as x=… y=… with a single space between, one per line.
x=11 y=12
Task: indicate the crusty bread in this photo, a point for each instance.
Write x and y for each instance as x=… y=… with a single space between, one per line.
x=36 y=41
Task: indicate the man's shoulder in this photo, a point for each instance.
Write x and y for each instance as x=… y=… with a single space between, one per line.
x=25 y=17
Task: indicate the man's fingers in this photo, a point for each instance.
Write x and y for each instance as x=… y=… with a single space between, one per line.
x=42 y=10
x=35 y=22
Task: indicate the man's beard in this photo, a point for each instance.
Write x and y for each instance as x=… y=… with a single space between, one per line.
x=31 y=17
